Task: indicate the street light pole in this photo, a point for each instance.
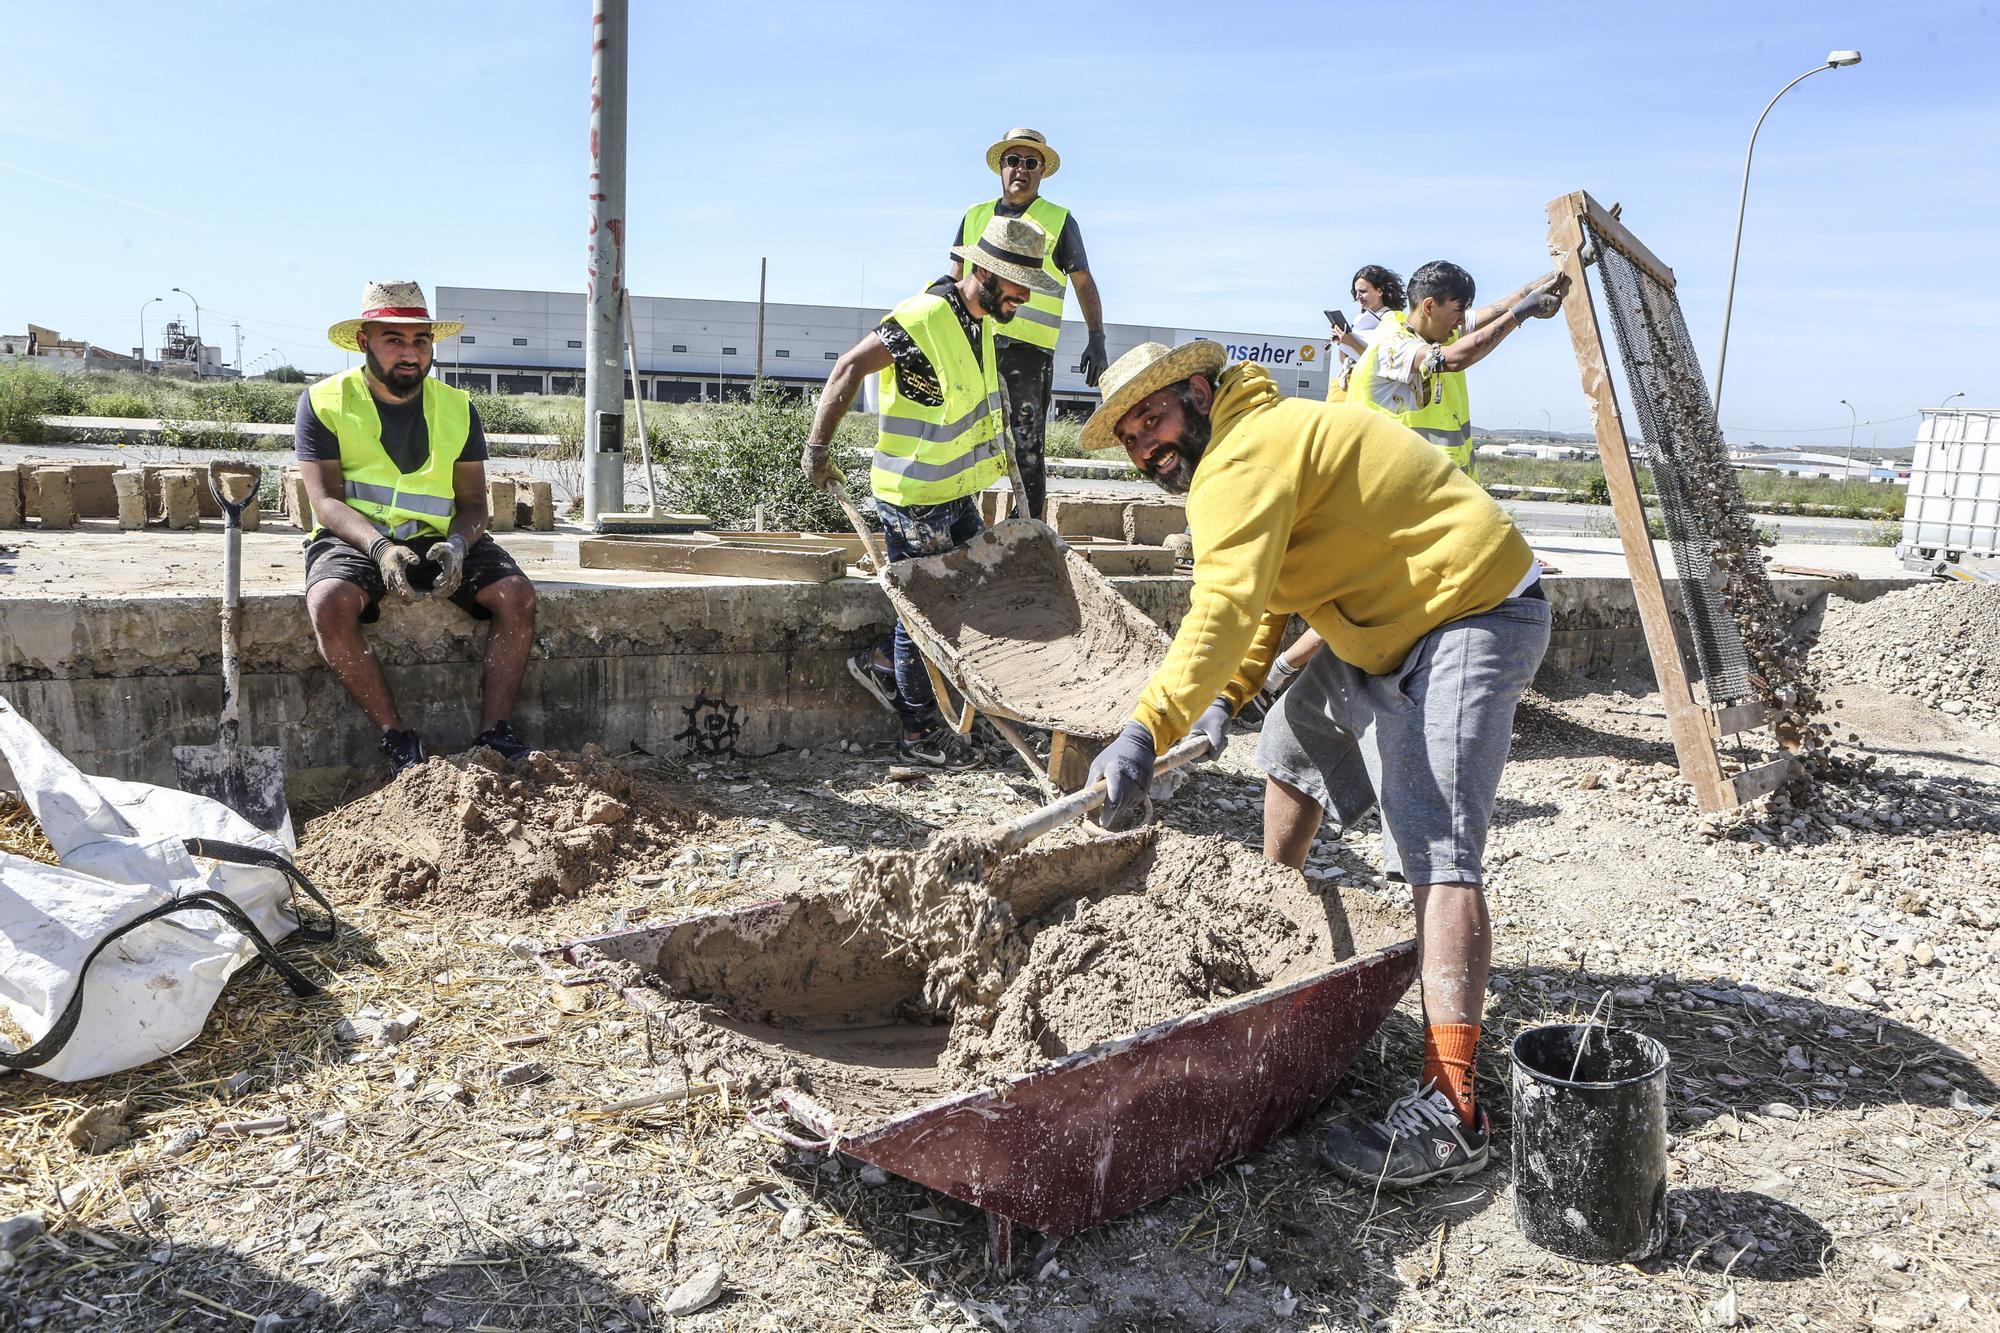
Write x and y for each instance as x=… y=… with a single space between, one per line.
x=1834 y=60
x=603 y=331
x=1548 y=424
x=200 y=347
x=142 y=332
x=1853 y=420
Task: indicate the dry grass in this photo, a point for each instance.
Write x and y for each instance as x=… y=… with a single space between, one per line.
x=20 y=834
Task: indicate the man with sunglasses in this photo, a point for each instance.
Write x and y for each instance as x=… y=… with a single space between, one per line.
x=1028 y=350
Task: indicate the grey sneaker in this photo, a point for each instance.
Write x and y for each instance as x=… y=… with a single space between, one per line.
x=940 y=747
x=1419 y=1139
x=877 y=680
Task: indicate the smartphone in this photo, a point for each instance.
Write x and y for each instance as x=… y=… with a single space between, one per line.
x=1338 y=320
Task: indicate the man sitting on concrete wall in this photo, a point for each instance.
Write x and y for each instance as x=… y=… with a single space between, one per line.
x=394 y=463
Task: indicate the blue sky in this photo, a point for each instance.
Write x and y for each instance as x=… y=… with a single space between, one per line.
x=1231 y=166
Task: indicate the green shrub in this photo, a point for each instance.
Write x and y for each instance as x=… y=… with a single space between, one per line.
x=118 y=405
x=29 y=393
x=286 y=375
x=748 y=455
x=243 y=400
x=1598 y=489
x=504 y=414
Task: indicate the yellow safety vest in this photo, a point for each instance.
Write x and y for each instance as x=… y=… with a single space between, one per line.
x=1039 y=322
x=1446 y=420
x=400 y=504
x=927 y=455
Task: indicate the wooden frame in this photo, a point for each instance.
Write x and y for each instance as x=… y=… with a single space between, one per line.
x=1695 y=727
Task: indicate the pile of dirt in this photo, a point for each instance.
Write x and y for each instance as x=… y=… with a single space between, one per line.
x=1937 y=642
x=501 y=837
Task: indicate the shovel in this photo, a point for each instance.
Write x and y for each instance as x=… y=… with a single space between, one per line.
x=249 y=779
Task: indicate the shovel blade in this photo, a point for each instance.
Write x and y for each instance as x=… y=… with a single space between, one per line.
x=249 y=779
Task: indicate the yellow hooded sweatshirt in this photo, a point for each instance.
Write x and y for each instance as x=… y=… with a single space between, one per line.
x=1329 y=511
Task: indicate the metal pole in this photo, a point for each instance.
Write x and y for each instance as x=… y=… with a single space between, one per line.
x=1853 y=422
x=1736 y=248
x=142 y=332
x=200 y=347
x=762 y=264
x=604 y=281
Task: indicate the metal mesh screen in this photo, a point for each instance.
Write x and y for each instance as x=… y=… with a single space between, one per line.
x=1712 y=538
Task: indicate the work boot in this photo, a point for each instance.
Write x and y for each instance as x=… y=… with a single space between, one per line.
x=875 y=678
x=500 y=739
x=1419 y=1139
x=940 y=747
x=404 y=749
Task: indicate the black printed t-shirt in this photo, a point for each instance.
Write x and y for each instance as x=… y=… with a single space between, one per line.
x=916 y=378
x=405 y=435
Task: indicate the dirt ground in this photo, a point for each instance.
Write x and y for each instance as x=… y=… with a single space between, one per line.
x=1828 y=992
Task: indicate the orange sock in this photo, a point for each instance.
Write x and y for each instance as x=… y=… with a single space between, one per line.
x=1448 y=1054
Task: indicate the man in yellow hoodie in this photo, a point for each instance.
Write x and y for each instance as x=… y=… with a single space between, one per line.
x=1430 y=605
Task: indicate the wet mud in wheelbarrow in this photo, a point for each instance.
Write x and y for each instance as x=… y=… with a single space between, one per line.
x=1180 y=1002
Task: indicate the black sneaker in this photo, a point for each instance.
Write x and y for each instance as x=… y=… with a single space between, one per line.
x=878 y=680
x=940 y=747
x=1418 y=1140
x=500 y=739
x=404 y=749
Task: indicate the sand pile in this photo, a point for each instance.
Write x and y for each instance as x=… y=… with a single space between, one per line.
x=499 y=837
x=1937 y=642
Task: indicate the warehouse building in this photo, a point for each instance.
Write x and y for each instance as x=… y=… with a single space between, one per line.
x=698 y=351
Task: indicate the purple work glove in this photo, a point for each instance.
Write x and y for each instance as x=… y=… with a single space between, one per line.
x=1126 y=765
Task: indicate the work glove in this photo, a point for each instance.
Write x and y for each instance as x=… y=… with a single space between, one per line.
x=449 y=556
x=1095 y=359
x=1282 y=674
x=1126 y=765
x=817 y=465
x=395 y=560
x=1214 y=724
x=1544 y=297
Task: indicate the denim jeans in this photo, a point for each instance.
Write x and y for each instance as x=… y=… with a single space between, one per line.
x=913 y=531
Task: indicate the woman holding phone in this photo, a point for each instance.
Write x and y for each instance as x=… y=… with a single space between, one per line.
x=1376 y=290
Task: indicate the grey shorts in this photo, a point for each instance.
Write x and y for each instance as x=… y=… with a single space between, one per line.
x=1428 y=740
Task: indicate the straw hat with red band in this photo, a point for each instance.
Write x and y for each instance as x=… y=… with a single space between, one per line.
x=391 y=303
x=1012 y=248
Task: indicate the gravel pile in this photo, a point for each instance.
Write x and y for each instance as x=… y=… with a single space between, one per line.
x=1938 y=643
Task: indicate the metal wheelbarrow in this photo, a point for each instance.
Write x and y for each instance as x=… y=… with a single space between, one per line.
x=1092 y=1135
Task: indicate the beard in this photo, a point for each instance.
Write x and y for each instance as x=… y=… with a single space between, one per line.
x=1182 y=455
x=990 y=297
x=398 y=381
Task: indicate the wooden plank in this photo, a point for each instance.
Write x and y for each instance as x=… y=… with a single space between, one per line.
x=1811 y=571
x=1614 y=232
x=841 y=541
x=1751 y=783
x=1694 y=744
x=1120 y=558
x=1740 y=717
x=673 y=555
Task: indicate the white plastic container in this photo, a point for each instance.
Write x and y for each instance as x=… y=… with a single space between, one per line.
x=1953 y=506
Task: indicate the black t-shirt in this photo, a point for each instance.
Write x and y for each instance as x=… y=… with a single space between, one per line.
x=1069 y=246
x=405 y=436
x=916 y=378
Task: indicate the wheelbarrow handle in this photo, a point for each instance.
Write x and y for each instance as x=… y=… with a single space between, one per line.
x=868 y=542
x=1010 y=838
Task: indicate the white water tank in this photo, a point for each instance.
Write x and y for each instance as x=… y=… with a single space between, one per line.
x=1953 y=506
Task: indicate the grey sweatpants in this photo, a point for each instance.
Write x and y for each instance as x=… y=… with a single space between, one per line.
x=1427 y=741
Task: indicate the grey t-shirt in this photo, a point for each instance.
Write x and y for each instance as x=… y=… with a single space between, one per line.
x=405 y=436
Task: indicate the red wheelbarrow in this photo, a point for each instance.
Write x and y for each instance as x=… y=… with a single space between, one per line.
x=1093 y=1135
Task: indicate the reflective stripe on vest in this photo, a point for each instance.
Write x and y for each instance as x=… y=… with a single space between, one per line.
x=1039 y=322
x=399 y=504
x=927 y=455
x=1446 y=420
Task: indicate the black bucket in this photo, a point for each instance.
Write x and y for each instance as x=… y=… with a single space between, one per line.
x=1590 y=1142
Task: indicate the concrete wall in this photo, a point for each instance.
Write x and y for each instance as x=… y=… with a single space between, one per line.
x=746 y=666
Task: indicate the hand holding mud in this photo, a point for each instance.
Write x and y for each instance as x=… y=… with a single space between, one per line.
x=449 y=557
x=395 y=561
x=1126 y=765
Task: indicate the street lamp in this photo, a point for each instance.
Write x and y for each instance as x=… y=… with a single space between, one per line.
x=200 y=347
x=1834 y=60
x=142 y=332
x=1853 y=420
x=1959 y=394
x=1548 y=424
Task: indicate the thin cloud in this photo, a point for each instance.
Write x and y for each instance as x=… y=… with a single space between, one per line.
x=116 y=199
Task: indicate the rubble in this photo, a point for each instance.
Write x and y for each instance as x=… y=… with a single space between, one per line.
x=1938 y=643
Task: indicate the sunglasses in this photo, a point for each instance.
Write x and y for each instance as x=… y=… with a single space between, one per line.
x=1022 y=160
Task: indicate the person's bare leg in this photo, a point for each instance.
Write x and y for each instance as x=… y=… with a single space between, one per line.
x=1291 y=818
x=335 y=607
x=1454 y=951
x=508 y=642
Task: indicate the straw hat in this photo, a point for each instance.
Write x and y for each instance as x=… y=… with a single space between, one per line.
x=1013 y=248
x=1141 y=372
x=391 y=303
x=1024 y=138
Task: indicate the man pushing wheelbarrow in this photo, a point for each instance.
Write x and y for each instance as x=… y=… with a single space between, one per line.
x=1428 y=599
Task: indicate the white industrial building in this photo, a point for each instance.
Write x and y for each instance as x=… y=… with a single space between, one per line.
x=692 y=350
